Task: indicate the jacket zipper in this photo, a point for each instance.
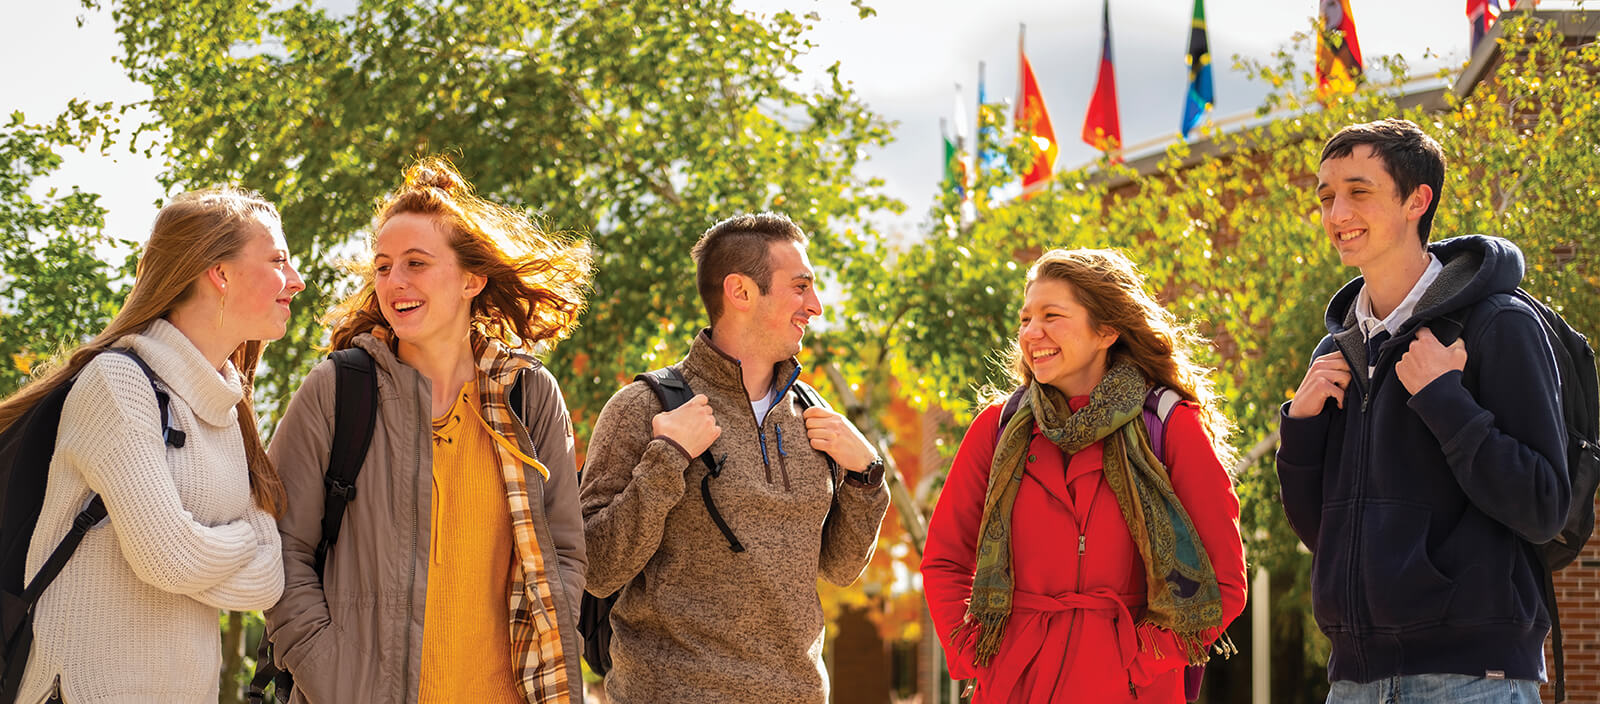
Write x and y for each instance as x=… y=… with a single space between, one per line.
x=1364 y=382
x=761 y=425
x=411 y=577
x=783 y=457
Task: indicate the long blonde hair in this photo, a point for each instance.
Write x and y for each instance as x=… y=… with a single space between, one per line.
x=1109 y=286
x=534 y=282
x=193 y=233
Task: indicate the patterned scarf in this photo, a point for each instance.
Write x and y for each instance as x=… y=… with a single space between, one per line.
x=537 y=650
x=1181 y=586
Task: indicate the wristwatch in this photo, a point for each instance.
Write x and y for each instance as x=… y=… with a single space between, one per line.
x=870 y=477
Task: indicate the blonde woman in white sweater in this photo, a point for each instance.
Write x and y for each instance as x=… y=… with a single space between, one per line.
x=133 y=616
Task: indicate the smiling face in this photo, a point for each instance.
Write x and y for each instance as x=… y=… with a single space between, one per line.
x=782 y=313
x=1366 y=219
x=1060 y=345
x=260 y=283
x=424 y=293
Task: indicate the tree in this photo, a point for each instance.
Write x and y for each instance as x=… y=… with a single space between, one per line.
x=637 y=124
x=57 y=291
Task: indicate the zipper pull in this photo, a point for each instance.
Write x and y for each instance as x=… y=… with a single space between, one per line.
x=1083 y=543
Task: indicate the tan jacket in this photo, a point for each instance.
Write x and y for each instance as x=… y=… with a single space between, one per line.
x=356 y=635
x=697 y=621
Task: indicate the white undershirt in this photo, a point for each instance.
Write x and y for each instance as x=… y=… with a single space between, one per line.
x=761 y=405
x=1369 y=322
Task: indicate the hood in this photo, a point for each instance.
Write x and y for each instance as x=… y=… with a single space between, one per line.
x=1475 y=267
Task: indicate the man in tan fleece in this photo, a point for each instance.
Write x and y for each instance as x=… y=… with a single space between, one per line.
x=703 y=617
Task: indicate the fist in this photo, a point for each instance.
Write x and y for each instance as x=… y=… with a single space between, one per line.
x=691 y=425
x=1426 y=359
x=1328 y=377
x=833 y=434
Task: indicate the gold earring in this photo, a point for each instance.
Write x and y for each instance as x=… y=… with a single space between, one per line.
x=221 y=306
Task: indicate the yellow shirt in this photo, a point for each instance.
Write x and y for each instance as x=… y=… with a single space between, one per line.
x=466 y=639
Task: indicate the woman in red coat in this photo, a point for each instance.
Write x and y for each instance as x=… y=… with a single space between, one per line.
x=1066 y=561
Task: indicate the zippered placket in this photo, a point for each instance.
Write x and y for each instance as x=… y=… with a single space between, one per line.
x=416 y=500
x=1357 y=507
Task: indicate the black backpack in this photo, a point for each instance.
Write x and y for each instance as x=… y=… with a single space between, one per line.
x=1580 y=411
x=355 y=413
x=672 y=390
x=25 y=450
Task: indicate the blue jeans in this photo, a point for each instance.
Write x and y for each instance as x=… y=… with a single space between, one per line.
x=1435 y=689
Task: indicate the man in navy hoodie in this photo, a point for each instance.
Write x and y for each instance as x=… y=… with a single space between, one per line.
x=1419 y=473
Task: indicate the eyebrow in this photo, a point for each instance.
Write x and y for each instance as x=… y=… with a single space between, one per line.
x=1349 y=179
x=1044 y=306
x=413 y=250
x=808 y=276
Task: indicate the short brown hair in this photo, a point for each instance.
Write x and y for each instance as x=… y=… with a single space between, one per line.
x=1407 y=153
x=741 y=244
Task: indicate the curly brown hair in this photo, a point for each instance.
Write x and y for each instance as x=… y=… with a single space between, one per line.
x=1114 y=292
x=535 y=280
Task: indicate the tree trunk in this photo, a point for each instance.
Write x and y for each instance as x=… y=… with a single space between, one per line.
x=232 y=659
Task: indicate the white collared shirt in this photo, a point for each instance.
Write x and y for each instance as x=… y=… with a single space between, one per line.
x=1369 y=322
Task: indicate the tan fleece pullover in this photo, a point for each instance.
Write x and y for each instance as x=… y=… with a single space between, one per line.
x=696 y=621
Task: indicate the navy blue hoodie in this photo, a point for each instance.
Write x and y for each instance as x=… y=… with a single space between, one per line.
x=1419 y=510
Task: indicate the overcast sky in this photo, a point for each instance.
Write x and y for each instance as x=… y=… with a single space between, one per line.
x=905 y=61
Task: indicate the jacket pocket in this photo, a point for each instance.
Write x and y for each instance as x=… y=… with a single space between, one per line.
x=1498 y=576
x=1401 y=585
x=1330 y=585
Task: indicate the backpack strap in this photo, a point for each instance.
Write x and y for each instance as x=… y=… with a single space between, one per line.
x=672 y=390
x=808 y=397
x=1013 y=402
x=1158 y=405
x=95 y=510
x=355 y=415
x=169 y=435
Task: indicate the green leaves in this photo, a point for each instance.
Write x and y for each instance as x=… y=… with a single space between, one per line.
x=57 y=291
x=635 y=124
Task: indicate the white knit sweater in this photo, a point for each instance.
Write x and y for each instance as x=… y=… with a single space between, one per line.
x=133 y=617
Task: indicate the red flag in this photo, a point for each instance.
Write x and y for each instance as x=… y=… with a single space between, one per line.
x=1033 y=117
x=1102 y=128
x=1338 y=51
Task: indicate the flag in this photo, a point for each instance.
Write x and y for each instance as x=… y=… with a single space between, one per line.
x=989 y=158
x=1200 y=97
x=1480 y=19
x=1338 y=51
x=957 y=177
x=1102 y=128
x=987 y=135
x=1482 y=14
x=1035 y=119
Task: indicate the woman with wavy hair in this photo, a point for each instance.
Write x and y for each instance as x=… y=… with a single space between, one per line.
x=1074 y=555
x=459 y=568
x=133 y=614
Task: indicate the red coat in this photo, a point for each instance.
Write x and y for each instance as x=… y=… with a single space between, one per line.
x=1068 y=638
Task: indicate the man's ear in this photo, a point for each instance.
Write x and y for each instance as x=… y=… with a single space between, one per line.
x=739 y=291
x=1419 y=201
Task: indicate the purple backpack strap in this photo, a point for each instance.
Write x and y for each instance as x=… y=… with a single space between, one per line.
x=1158 y=405
x=1013 y=403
